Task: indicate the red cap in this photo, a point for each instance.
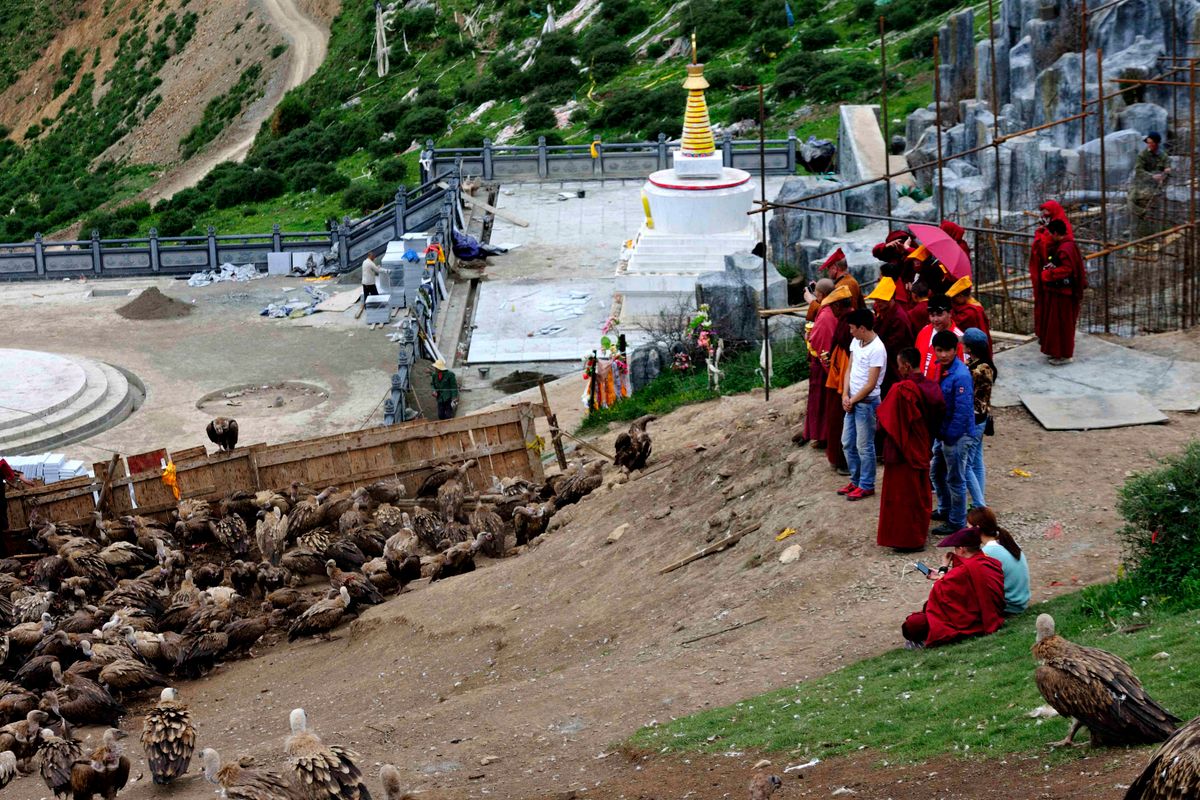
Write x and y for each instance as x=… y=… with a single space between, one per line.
x=834 y=257
x=966 y=537
x=895 y=236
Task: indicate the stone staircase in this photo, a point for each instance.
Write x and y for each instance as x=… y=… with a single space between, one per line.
x=88 y=396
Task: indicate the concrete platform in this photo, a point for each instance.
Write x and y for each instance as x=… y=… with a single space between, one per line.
x=50 y=400
x=1105 y=386
x=538 y=320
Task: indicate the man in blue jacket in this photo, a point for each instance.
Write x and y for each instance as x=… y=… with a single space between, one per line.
x=948 y=469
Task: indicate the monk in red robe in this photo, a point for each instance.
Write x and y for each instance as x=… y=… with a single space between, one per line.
x=1037 y=259
x=957 y=233
x=909 y=416
x=1063 y=281
x=820 y=342
x=842 y=303
x=918 y=310
x=966 y=310
x=892 y=326
x=967 y=598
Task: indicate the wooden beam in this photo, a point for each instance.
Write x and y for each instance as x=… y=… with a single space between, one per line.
x=715 y=547
x=555 y=434
x=588 y=445
x=106 y=487
x=471 y=201
x=774 y=312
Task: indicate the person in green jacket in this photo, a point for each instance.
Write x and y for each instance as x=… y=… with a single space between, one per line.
x=445 y=389
x=1148 y=186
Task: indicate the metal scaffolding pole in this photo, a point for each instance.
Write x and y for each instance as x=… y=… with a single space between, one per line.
x=883 y=112
x=937 y=106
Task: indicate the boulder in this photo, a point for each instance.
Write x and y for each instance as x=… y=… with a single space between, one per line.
x=792 y=234
x=1143 y=117
x=818 y=155
x=646 y=362
x=957 y=37
x=735 y=295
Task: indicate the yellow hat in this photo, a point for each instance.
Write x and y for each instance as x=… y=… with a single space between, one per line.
x=960 y=286
x=920 y=254
x=884 y=290
x=842 y=292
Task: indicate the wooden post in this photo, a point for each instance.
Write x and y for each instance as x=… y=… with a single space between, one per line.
x=555 y=435
x=106 y=487
x=529 y=436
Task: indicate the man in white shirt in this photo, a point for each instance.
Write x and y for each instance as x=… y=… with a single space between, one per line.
x=370 y=275
x=860 y=400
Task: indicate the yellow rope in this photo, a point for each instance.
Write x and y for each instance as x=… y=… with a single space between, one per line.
x=537 y=445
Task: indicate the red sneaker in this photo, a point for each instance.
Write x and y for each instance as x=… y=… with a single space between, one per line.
x=860 y=494
x=847 y=489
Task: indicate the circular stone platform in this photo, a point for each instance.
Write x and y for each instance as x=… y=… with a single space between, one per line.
x=36 y=383
x=49 y=400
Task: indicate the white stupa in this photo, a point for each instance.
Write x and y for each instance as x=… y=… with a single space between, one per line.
x=696 y=214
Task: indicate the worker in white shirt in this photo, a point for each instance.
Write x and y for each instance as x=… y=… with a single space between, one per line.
x=370 y=274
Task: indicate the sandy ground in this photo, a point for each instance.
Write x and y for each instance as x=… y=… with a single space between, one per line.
x=546 y=662
x=222 y=343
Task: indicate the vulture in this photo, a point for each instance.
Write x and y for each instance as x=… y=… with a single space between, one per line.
x=129 y=676
x=427 y=527
x=390 y=519
x=80 y=700
x=388 y=490
x=762 y=784
x=633 y=448
x=458 y=559
x=389 y=776
x=400 y=554
x=223 y=432
x=232 y=532
x=361 y=590
x=271 y=577
x=321 y=617
x=1174 y=770
x=239 y=783
x=441 y=473
x=104 y=773
x=529 y=522
x=198 y=654
x=450 y=493
x=582 y=483
x=1099 y=690
x=59 y=754
x=23 y=738
x=8 y=768
x=270 y=534
x=328 y=772
x=168 y=738
x=485 y=519
x=244 y=633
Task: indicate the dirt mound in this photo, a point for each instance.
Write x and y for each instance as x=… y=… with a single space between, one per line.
x=153 y=304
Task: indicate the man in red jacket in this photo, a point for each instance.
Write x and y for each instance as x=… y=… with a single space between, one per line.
x=1063 y=282
x=967 y=598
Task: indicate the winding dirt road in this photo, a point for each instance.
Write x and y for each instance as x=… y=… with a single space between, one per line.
x=307 y=45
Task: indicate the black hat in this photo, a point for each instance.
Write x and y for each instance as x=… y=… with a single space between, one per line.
x=939 y=302
x=1153 y=136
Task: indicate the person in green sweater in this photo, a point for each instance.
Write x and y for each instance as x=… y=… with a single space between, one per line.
x=999 y=544
x=445 y=389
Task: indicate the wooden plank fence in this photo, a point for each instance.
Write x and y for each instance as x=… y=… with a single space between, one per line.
x=503 y=442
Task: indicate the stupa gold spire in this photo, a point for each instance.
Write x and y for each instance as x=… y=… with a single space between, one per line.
x=697 y=130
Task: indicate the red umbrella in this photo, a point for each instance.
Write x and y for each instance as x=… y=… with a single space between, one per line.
x=944 y=248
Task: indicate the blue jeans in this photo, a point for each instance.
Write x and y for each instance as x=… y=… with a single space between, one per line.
x=948 y=474
x=976 y=478
x=858 y=442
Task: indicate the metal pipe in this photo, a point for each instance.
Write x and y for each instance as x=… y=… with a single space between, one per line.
x=762 y=185
x=1083 y=92
x=1151 y=82
x=937 y=106
x=1103 y=185
x=996 y=155
x=883 y=112
x=1135 y=242
x=1189 y=309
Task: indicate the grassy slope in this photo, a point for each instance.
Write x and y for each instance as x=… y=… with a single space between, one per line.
x=971 y=698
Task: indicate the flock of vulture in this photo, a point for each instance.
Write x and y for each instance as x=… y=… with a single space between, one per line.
x=101 y=615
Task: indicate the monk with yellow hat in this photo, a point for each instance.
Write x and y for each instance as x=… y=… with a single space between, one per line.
x=966 y=310
x=892 y=325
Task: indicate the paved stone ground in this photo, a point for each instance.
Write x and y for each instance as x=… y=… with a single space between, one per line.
x=223 y=342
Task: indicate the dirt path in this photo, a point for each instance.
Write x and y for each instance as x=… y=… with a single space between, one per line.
x=307 y=45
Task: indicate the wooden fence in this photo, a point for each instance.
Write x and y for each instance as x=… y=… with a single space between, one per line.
x=504 y=442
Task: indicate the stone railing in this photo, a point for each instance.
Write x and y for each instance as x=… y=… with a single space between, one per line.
x=429 y=207
x=575 y=162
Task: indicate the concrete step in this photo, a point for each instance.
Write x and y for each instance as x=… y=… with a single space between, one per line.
x=107 y=400
x=48 y=382
x=94 y=388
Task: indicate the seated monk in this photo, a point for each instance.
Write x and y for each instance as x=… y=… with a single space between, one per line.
x=967 y=598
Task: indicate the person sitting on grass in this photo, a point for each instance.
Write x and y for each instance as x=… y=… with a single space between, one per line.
x=1000 y=545
x=967 y=598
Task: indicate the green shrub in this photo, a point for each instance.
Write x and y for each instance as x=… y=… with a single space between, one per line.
x=728 y=77
x=278 y=50
x=766 y=44
x=465 y=136
x=610 y=59
x=392 y=171
x=365 y=197
x=420 y=123
x=174 y=223
x=553 y=138
x=538 y=115
x=817 y=37
x=919 y=45
x=1160 y=535
x=293 y=112
x=244 y=184
x=319 y=175
x=656 y=49
x=746 y=107
x=625 y=17
x=864 y=10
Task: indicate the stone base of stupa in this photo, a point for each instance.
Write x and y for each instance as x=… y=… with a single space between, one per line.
x=663 y=268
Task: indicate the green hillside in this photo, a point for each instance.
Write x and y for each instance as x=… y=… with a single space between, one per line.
x=342 y=142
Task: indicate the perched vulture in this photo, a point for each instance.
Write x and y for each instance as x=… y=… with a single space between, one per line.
x=457 y=559
x=580 y=484
x=763 y=785
x=105 y=771
x=59 y=754
x=633 y=448
x=168 y=738
x=327 y=772
x=450 y=493
x=321 y=617
x=389 y=776
x=485 y=519
x=1174 y=770
x=1099 y=690
x=239 y=783
x=128 y=675
x=361 y=590
x=232 y=532
x=223 y=432
x=270 y=534
x=8 y=768
x=434 y=480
